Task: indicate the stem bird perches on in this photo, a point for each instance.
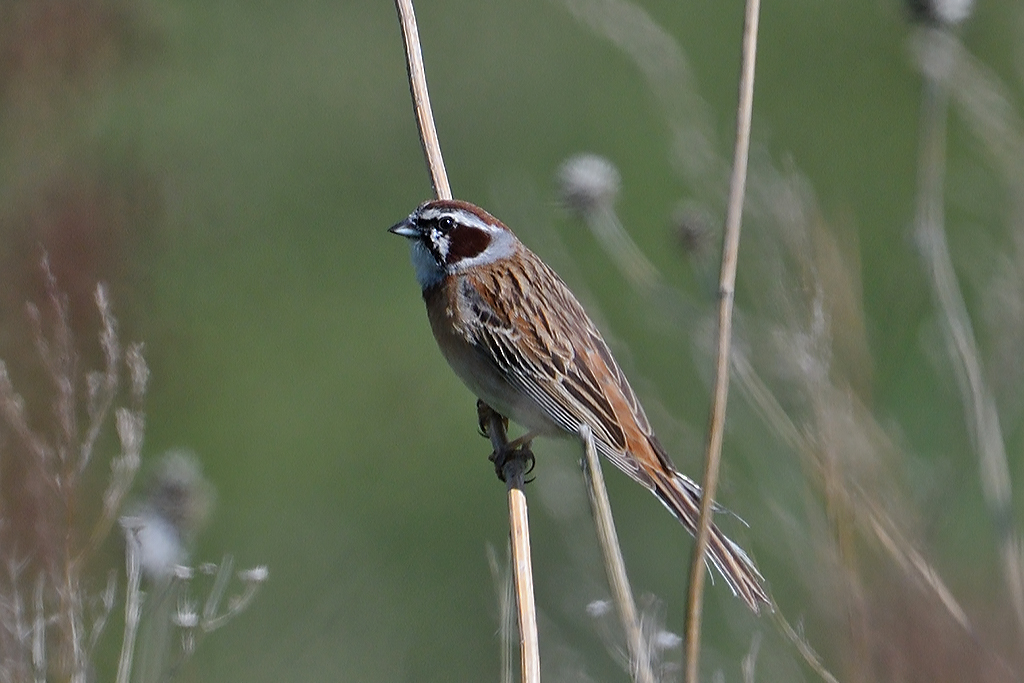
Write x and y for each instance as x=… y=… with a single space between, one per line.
x=421 y=100
x=514 y=467
x=727 y=282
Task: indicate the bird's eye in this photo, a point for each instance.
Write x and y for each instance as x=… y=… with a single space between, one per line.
x=446 y=223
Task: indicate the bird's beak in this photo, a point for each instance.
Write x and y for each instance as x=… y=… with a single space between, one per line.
x=405 y=229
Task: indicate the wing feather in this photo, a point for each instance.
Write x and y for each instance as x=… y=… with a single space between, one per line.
x=533 y=353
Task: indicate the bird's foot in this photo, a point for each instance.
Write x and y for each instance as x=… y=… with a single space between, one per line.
x=508 y=456
x=494 y=426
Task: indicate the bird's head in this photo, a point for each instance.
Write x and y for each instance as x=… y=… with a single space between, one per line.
x=449 y=236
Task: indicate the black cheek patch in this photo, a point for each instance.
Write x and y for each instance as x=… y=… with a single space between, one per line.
x=466 y=242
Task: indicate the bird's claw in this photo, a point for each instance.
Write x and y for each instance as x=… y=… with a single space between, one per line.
x=513 y=451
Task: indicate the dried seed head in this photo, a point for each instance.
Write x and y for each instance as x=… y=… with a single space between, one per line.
x=257 y=574
x=179 y=493
x=186 y=616
x=947 y=13
x=693 y=227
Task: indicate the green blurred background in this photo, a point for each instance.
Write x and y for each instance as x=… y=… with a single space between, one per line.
x=260 y=150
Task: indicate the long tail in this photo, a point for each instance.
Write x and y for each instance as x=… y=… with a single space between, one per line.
x=681 y=495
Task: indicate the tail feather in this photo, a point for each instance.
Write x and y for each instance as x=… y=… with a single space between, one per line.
x=681 y=495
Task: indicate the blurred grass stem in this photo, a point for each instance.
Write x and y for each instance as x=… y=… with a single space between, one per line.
x=132 y=603
x=639 y=653
x=727 y=283
x=981 y=413
x=605 y=224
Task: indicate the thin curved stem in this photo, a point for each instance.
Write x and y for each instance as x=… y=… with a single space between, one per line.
x=421 y=100
x=614 y=565
x=727 y=283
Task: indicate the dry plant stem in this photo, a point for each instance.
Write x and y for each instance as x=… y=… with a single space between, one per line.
x=519 y=524
x=421 y=100
x=614 y=565
x=727 y=282
x=805 y=650
x=102 y=387
x=514 y=467
x=900 y=549
x=982 y=416
x=522 y=566
x=39 y=634
x=132 y=605
x=213 y=617
x=100 y=620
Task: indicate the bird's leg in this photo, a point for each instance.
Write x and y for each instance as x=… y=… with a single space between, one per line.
x=494 y=425
x=486 y=415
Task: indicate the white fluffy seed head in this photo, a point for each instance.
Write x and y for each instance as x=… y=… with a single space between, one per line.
x=160 y=547
x=953 y=11
x=589 y=182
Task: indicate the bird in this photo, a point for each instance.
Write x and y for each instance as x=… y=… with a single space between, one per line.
x=519 y=339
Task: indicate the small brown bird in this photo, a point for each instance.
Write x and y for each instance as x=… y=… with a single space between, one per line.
x=519 y=339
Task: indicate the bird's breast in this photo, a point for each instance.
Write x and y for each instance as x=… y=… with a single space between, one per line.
x=453 y=329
